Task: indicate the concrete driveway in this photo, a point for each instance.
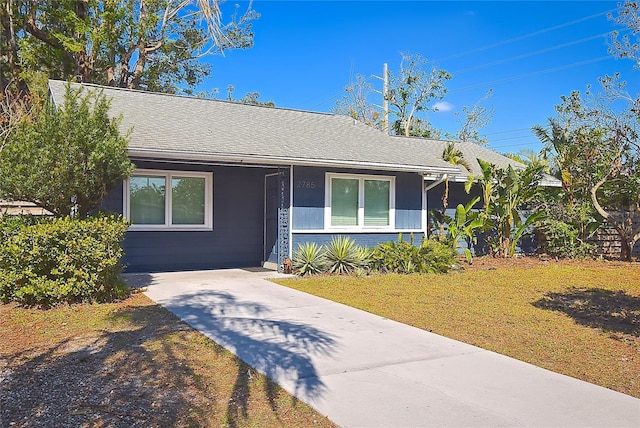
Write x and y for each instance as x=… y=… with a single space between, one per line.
x=362 y=370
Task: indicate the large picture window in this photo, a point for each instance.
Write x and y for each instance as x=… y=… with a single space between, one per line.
x=168 y=199
x=359 y=202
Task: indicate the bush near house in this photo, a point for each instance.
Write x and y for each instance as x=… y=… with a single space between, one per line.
x=343 y=256
x=54 y=260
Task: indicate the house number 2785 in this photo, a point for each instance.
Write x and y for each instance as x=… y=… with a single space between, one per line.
x=301 y=184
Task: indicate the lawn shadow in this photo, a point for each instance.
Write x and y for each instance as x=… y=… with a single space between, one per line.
x=282 y=350
x=107 y=378
x=611 y=311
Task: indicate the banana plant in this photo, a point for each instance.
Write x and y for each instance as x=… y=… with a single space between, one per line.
x=464 y=226
x=505 y=193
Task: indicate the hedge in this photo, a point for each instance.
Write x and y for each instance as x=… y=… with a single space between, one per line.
x=61 y=260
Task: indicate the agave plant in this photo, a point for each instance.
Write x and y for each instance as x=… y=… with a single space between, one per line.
x=342 y=255
x=309 y=259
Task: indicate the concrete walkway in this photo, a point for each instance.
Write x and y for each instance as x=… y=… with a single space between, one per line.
x=362 y=370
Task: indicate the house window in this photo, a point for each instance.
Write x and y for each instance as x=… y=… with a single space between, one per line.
x=359 y=202
x=169 y=199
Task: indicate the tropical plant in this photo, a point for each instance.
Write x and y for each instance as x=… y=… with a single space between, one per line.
x=430 y=256
x=506 y=193
x=464 y=226
x=309 y=259
x=455 y=157
x=596 y=143
x=342 y=255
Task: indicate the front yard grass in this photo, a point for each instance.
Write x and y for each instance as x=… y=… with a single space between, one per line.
x=579 y=319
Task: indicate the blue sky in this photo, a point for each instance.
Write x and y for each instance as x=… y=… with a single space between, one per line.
x=529 y=53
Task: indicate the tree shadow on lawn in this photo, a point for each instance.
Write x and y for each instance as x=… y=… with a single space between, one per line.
x=282 y=350
x=105 y=379
x=612 y=311
x=125 y=379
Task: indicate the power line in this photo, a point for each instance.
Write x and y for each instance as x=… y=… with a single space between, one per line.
x=529 y=143
x=535 y=73
x=515 y=39
x=508 y=131
x=514 y=58
x=512 y=138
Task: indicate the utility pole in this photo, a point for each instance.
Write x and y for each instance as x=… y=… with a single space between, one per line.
x=385 y=98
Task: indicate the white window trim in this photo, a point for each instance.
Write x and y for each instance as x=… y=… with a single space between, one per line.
x=168 y=174
x=360 y=227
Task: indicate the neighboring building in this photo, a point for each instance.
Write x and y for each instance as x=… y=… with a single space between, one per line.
x=221 y=184
x=21 y=207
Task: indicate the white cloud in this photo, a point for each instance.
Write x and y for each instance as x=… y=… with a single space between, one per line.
x=443 y=106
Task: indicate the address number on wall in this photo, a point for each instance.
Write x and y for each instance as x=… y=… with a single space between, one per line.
x=301 y=184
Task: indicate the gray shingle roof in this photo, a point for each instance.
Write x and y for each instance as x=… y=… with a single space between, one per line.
x=471 y=152
x=179 y=127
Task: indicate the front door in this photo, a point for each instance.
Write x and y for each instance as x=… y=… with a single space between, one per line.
x=271 y=205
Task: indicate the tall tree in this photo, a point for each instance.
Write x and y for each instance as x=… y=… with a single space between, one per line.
x=357 y=105
x=475 y=118
x=140 y=44
x=627 y=46
x=599 y=155
x=410 y=94
x=413 y=90
x=64 y=158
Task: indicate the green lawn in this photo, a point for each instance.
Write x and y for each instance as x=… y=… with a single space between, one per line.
x=579 y=319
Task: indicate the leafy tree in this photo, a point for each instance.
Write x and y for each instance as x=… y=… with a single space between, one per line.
x=65 y=158
x=355 y=103
x=412 y=91
x=506 y=192
x=475 y=118
x=143 y=44
x=251 y=98
x=566 y=160
x=531 y=157
x=599 y=153
x=625 y=46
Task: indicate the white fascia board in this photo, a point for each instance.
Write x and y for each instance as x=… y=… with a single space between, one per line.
x=281 y=160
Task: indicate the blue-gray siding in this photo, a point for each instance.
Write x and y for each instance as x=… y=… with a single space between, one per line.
x=238 y=226
x=309 y=197
x=368 y=240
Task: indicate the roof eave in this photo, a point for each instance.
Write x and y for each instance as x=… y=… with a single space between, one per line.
x=239 y=158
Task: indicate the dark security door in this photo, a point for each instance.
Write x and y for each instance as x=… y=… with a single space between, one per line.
x=271 y=205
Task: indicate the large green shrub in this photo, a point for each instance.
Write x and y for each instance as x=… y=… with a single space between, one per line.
x=430 y=256
x=61 y=260
x=563 y=240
